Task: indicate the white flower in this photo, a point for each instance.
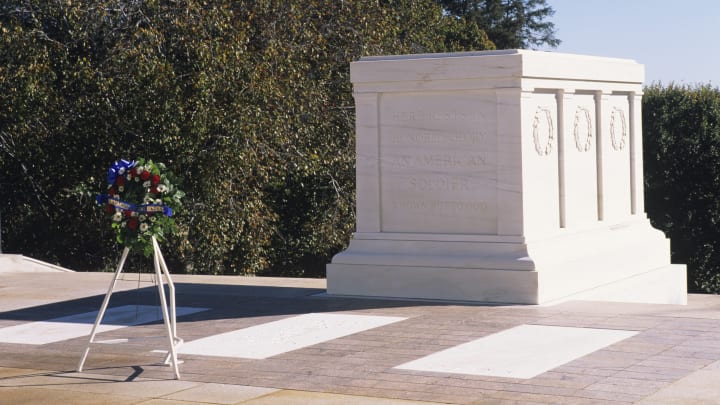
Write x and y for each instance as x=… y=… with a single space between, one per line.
x=153 y=219
x=137 y=179
x=117 y=217
x=121 y=188
x=143 y=227
x=129 y=176
x=146 y=184
x=121 y=171
x=142 y=218
x=134 y=214
x=162 y=188
x=139 y=170
x=158 y=201
x=147 y=199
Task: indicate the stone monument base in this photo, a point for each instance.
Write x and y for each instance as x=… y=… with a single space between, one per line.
x=508 y=176
x=628 y=262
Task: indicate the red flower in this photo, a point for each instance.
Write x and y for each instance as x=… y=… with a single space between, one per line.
x=155 y=179
x=133 y=223
x=112 y=191
x=133 y=172
x=145 y=175
x=127 y=213
x=120 y=181
x=109 y=209
x=154 y=190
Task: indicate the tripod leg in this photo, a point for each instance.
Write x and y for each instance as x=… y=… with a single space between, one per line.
x=163 y=301
x=171 y=290
x=103 y=308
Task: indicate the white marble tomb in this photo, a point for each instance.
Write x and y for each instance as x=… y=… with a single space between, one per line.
x=502 y=176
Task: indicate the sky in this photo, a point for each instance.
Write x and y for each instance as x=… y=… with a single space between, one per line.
x=677 y=41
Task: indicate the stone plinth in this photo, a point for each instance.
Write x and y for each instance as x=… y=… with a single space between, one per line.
x=503 y=176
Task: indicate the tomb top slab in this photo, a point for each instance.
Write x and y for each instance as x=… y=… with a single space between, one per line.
x=483 y=65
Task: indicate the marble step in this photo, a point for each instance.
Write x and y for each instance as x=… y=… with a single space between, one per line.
x=12 y=263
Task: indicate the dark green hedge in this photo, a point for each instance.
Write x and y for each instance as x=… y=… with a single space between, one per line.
x=252 y=102
x=681 y=136
x=249 y=100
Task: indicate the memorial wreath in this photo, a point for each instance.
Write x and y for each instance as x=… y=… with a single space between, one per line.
x=141 y=200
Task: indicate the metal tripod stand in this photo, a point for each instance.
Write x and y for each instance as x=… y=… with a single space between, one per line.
x=169 y=313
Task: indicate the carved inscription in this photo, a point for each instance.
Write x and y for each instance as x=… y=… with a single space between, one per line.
x=424 y=165
x=439 y=183
x=450 y=137
x=437 y=164
x=439 y=161
x=445 y=207
x=404 y=116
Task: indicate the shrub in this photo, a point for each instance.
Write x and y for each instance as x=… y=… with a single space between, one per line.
x=681 y=137
x=250 y=101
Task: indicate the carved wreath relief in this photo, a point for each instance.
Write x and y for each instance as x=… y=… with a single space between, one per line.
x=543 y=131
x=618 y=129
x=582 y=129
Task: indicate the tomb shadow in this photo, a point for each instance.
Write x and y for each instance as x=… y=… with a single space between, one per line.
x=222 y=301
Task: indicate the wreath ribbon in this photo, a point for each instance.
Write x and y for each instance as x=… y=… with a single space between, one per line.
x=140 y=208
x=119 y=168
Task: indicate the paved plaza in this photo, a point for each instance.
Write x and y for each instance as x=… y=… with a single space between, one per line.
x=283 y=341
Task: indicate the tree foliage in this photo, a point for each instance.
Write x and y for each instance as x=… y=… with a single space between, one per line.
x=510 y=24
x=681 y=141
x=250 y=101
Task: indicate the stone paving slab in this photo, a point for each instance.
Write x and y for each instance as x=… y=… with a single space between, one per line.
x=673 y=358
x=35 y=386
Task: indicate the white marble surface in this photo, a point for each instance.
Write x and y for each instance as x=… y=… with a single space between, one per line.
x=74 y=326
x=522 y=352
x=437 y=163
x=274 y=338
x=10 y=263
x=579 y=144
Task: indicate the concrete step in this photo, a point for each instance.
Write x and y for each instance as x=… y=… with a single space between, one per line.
x=22 y=264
